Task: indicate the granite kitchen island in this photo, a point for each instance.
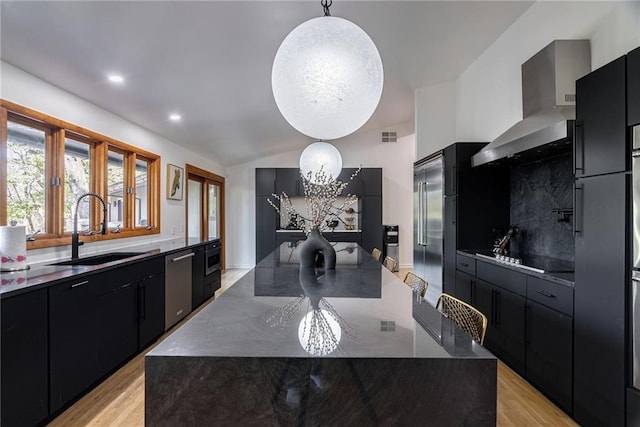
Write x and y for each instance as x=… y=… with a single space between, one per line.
x=285 y=346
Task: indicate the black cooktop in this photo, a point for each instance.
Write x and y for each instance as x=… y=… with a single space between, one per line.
x=545 y=263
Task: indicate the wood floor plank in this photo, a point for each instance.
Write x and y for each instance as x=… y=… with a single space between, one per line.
x=119 y=400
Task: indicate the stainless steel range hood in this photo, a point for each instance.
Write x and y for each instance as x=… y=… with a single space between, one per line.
x=548 y=103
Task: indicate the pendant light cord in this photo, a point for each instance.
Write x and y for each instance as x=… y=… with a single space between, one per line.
x=326 y=5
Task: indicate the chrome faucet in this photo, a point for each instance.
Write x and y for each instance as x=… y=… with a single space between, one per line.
x=75 y=240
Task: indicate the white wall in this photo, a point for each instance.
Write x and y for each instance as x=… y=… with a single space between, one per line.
x=489 y=95
x=29 y=91
x=366 y=150
x=435 y=118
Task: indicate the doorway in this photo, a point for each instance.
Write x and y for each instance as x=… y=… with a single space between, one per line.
x=205 y=207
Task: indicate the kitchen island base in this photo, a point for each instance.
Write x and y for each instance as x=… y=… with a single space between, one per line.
x=247 y=391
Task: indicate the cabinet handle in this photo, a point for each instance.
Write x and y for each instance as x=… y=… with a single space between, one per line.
x=497 y=308
x=454 y=208
x=464 y=264
x=546 y=294
x=180 y=258
x=578 y=152
x=75 y=285
x=453 y=179
x=577 y=208
x=142 y=305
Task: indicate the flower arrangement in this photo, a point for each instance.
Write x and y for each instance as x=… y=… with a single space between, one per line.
x=321 y=194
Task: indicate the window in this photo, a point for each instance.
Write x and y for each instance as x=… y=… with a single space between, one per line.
x=27 y=174
x=46 y=164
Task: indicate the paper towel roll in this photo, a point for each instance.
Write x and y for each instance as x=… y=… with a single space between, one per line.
x=13 y=248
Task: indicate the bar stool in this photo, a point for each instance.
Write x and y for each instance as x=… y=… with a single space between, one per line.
x=468 y=318
x=417 y=284
x=390 y=263
x=376 y=253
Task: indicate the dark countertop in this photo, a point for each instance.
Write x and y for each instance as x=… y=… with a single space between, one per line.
x=372 y=312
x=555 y=270
x=43 y=275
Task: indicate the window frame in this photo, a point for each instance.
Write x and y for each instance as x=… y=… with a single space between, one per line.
x=54 y=234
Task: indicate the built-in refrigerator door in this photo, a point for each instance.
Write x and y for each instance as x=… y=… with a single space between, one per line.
x=418 y=221
x=433 y=227
x=635 y=316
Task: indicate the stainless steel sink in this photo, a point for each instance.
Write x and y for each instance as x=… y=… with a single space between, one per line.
x=100 y=259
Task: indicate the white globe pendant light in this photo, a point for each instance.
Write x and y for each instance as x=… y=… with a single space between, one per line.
x=327 y=77
x=320 y=156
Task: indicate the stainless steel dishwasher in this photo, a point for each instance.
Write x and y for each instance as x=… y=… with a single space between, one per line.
x=177 y=287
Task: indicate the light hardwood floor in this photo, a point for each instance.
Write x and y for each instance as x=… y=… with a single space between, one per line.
x=119 y=400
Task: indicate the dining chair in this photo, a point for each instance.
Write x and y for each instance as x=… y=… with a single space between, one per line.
x=468 y=318
x=417 y=284
x=376 y=253
x=390 y=263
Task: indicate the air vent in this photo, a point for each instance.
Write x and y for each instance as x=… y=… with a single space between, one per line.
x=389 y=137
x=387 y=325
x=569 y=97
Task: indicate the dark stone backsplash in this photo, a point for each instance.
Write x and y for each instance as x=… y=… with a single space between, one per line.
x=536 y=189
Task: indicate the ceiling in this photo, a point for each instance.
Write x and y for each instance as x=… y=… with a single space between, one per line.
x=211 y=60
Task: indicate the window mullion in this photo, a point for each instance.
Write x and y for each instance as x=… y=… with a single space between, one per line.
x=98 y=181
x=55 y=181
x=128 y=190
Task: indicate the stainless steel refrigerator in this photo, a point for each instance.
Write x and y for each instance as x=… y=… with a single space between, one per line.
x=428 y=212
x=635 y=274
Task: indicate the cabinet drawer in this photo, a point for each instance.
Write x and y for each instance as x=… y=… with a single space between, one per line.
x=550 y=294
x=503 y=277
x=466 y=264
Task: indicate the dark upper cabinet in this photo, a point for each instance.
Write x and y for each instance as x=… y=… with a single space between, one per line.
x=601 y=278
x=450 y=170
x=289 y=181
x=24 y=390
x=600 y=136
x=353 y=185
x=265 y=181
x=550 y=353
x=370 y=182
x=633 y=87
x=73 y=342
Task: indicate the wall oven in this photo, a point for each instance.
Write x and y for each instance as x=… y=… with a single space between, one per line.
x=212 y=258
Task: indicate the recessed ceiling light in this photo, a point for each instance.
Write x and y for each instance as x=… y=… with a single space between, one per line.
x=175 y=117
x=115 y=78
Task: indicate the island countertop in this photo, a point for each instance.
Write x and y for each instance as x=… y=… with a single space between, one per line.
x=372 y=312
x=288 y=346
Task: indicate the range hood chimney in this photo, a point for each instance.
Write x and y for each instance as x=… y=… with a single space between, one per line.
x=548 y=103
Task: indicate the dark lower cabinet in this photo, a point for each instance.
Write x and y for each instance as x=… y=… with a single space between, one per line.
x=197 y=277
x=117 y=325
x=266 y=225
x=505 y=313
x=73 y=352
x=633 y=407
x=550 y=353
x=24 y=389
x=150 y=309
x=464 y=286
